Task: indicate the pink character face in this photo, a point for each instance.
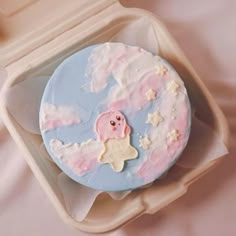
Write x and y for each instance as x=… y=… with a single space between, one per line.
x=111 y=125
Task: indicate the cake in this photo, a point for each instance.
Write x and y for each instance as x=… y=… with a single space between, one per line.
x=115 y=117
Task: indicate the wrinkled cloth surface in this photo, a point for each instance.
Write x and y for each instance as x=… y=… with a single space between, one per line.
x=205 y=32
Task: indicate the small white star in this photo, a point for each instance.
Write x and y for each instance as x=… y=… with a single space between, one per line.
x=150 y=94
x=154 y=118
x=173 y=86
x=173 y=135
x=145 y=142
x=161 y=70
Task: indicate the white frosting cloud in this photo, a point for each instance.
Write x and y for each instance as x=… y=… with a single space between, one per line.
x=53 y=116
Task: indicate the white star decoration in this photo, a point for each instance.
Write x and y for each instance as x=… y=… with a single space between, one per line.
x=173 y=135
x=116 y=152
x=173 y=86
x=145 y=142
x=150 y=94
x=154 y=118
x=161 y=70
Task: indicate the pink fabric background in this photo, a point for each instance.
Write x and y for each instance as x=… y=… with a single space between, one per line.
x=205 y=30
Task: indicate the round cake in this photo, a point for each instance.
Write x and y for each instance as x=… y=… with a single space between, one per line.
x=115 y=117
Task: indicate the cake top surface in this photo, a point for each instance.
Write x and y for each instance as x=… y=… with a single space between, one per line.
x=115 y=117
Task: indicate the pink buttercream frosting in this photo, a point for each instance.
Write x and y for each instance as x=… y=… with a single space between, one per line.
x=81 y=158
x=158 y=158
x=135 y=94
x=54 y=116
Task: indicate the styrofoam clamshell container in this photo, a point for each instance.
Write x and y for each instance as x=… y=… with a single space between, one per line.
x=35 y=37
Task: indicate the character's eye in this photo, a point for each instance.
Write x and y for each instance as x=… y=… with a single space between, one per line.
x=118 y=117
x=112 y=122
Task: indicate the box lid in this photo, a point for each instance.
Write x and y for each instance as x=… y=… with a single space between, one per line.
x=27 y=24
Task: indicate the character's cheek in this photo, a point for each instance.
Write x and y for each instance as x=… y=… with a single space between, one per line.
x=113 y=128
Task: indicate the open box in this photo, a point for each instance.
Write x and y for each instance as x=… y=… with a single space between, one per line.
x=37 y=47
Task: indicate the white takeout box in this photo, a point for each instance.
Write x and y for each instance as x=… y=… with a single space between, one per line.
x=35 y=36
